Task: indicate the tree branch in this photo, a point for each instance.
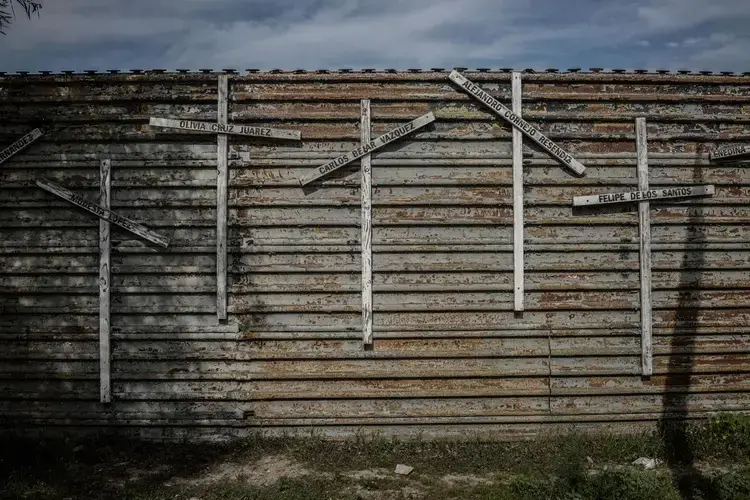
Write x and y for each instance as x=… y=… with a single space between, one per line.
x=8 y=12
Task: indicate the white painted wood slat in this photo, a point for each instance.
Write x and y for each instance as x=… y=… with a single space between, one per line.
x=518 y=261
x=644 y=218
x=222 y=127
x=730 y=153
x=366 y=238
x=105 y=384
x=644 y=195
x=222 y=200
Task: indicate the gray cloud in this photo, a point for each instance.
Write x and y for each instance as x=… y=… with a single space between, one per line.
x=84 y=34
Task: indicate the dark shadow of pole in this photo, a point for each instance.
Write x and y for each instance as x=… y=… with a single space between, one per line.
x=675 y=412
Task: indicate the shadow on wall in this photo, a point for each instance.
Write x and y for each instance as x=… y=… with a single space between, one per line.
x=680 y=455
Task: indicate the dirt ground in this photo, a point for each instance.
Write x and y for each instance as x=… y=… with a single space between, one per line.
x=712 y=462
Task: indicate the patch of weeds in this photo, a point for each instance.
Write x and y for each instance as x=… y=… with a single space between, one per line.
x=628 y=485
x=529 y=487
x=284 y=489
x=724 y=435
x=605 y=485
x=22 y=488
x=729 y=486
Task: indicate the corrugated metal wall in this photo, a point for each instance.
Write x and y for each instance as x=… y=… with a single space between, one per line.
x=450 y=356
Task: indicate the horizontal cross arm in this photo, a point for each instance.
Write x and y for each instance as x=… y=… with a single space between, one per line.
x=366 y=149
x=20 y=144
x=103 y=213
x=650 y=195
x=730 y=153
x=527 y=129
x=230 y=129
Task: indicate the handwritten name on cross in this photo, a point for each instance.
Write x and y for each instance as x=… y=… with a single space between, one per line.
x=229 y=129
x=732 y=153
x=643 y=197
x=519 y=123
x=370 y=147
x=20 y=144
x=103 y=213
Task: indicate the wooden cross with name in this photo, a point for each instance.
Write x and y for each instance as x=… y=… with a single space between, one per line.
x=106 y=216
x=223 y=129
x=364 y=152
x=520 y=128
x=643 y=197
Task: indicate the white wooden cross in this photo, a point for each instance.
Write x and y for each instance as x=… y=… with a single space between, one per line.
x=106 y=216
x=519 y=123
x=368 y=148
x=105 y=284
x=20 y=144
x=222 y=128
x=364 y=152
x=366 y=224
x=520 y=128
x=643 y=197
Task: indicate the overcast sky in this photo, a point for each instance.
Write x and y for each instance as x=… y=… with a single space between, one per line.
x=333 y=34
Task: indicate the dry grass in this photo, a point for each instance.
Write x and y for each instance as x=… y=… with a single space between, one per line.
x=711 y=461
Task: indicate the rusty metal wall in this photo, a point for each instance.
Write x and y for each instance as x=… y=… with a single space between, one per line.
x=450 y=356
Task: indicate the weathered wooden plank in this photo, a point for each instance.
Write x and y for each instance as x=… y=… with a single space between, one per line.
x=518 y=122
x=347 y=282
x=644 y=195
x=535 y=197
x=104 y=213
x=225 y=128
x=410 y=260
x=631 y=365
x=730 y=153
x=390 y=110
x=372 y=146
x=644 y=230
x=252 y=349
x=616 y=302
x=222 y=203
x=657 y=384
x=413 y=408
x=105 y=390
x=20 y=144
x=518 y=260
x=366 y=223
x=654 y=403
x=324 y=389
x=309 y=369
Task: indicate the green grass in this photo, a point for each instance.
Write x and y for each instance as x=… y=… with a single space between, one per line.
x=703 y=460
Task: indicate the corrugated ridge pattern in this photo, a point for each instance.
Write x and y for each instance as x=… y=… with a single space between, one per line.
x=450 y=356
x=276 y=71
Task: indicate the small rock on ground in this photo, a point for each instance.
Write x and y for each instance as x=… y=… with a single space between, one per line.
x=404 y=470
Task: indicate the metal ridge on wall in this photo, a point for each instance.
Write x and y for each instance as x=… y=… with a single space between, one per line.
x=210 y=71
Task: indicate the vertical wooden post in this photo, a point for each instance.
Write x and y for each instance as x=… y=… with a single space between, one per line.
x=366 y=226
x=644 y=219
x=105 y=182
x=518 y=260
x=222 y=201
